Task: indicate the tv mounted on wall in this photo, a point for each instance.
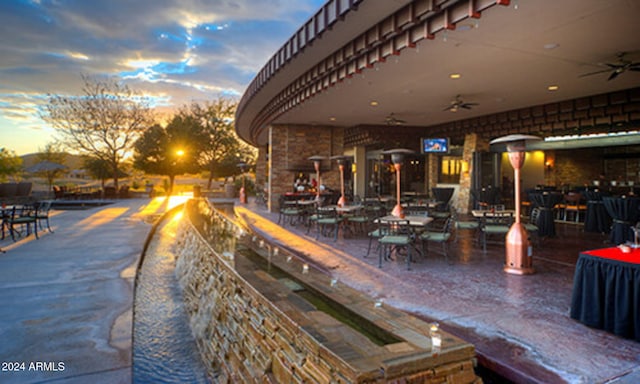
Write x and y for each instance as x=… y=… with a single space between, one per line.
x=435 y=145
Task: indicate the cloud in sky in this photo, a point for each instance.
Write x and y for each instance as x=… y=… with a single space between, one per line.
x=175 y=50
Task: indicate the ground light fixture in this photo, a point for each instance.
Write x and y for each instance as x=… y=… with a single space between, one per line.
x=519 y=260
x=397 y=158
x=317 y=161
x=243 y=194
x=342 y=161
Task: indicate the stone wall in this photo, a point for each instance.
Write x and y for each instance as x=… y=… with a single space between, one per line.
x=270 y=335
x=290 y=148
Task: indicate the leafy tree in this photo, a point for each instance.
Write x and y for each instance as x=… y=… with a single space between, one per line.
x=10 y=164
x=102 y=123
x=223 y=148
x=53 y=154
x=171 y=150
x=99 y=169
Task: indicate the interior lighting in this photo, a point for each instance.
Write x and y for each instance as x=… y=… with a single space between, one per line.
x=553 y=88
x=591 y=136
x=455 y=76
x=373 y=103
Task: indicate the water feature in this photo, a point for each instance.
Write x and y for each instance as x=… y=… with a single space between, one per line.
x=164 y=350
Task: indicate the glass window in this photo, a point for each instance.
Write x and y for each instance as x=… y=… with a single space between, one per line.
x=449 y=170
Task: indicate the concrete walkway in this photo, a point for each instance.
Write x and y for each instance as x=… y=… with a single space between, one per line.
x=66 y=298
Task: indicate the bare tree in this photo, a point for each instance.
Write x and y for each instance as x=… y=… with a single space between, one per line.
x=103 y=122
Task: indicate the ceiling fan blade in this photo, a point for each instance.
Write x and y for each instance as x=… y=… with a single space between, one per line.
x=595 y=73
x=613 y=75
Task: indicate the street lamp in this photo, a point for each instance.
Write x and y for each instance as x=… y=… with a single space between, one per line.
x=243 y=195
x=518 y=258
x=317 y=160
x=397 y=158
x=342 y=161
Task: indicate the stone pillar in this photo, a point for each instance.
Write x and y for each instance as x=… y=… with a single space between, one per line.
x=472 y=143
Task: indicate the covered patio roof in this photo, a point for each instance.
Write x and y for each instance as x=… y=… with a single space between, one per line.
x=357 y=62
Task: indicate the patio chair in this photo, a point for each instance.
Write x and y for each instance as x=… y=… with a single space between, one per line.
x=25 y=217
x=443 y=236
x=532 y=225
x=42 y=214
x=288 y=211
x=465 y=225
x=395 y=235
x=494 y=225
x=327 y=218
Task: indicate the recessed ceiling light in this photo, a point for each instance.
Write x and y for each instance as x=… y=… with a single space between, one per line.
x=455 y=76
x=373 y=103
x=551 y=46
x=553 y=88
x=332 y=118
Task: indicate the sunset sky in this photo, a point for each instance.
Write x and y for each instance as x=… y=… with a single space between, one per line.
x=175 y=51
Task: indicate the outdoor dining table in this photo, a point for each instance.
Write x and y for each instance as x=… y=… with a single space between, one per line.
x=606 y=288
x=596 y=218
x=624 y=213
x=479 y=213
x=414 y=220
x=546 y=201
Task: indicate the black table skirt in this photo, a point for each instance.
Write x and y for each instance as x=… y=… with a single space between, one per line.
x=597 y=219
x=546 y=201
x=606 y=295
x=624 y=214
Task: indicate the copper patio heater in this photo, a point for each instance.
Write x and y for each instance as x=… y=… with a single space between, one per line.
x=518 y=256
x=397 y=158
x=342 y=161
x=317 y=161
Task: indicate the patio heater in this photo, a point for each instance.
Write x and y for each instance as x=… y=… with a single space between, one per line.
x=397 y=158
x=317 y=160
x=342 y=160
x=518 y=257
x=243 y=194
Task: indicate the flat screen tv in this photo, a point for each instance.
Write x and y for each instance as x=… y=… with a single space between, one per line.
x=435 y=145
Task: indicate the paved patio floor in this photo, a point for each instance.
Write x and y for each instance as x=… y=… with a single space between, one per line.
x=520 y=325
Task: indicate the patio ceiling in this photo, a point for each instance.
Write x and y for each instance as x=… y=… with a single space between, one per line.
x=506 y=59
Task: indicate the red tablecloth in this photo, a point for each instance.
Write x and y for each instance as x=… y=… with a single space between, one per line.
x=614 y=253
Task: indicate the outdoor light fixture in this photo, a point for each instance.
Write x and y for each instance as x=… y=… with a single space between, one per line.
x=518 y=255
x=397 y=158
x=317 y=160
x=243 y=195
x=342 y=161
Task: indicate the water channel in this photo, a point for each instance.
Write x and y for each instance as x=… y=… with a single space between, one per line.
x=164 y=350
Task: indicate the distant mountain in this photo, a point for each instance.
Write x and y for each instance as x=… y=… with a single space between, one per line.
x=71 y=161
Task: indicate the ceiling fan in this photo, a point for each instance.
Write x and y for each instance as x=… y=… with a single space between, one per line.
x=393 y=120
x=458 y=103
x=616 y=69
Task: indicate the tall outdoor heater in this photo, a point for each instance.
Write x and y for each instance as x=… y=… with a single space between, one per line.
x=397 y=158
x=342 y=161
x=518 y=258
x=243 y=193
x=317 y=161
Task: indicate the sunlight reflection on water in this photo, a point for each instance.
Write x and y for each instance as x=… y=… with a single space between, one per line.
x=164 y=350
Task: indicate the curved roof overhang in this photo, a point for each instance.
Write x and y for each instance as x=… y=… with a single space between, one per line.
x=400 y=55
